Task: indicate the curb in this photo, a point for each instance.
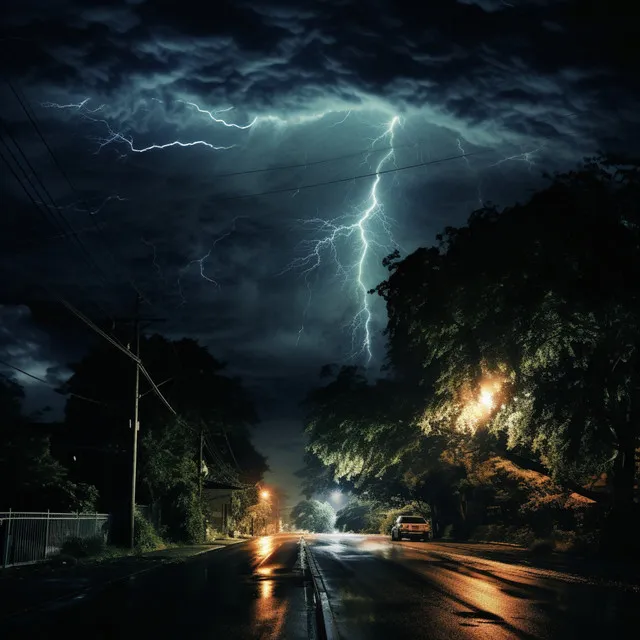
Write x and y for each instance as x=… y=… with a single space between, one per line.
x=42 y=606
x=325 y=619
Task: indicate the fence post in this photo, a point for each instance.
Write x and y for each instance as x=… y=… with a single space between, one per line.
x=46 y=534
x=95 y=533
x=7 y=542
x=78 y=524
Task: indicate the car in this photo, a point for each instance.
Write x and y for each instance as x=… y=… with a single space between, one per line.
x=413 y=527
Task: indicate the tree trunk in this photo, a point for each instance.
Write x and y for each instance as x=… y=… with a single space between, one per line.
x=620 y=531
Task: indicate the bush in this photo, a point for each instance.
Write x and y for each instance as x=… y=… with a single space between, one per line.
x=193 y=527
x=76 y=547
x=145 y=537
x=523 y=536
x=447 y=534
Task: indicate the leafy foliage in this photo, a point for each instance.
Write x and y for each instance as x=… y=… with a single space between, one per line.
x=212 y=405
x=258 y=519
x=146 y=538
x=543 y=294
x=513 y=353
x=31 y=479
x=197 y=387
x=360 y=516
x=83 y=547
x=313 y=515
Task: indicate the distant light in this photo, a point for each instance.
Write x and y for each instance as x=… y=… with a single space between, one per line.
x=74 y=458
x=264 y=494
x=486 y=398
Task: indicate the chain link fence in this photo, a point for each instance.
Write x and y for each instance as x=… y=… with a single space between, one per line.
x=28 y=537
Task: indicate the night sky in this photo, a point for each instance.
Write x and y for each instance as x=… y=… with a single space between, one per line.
x=165 y=118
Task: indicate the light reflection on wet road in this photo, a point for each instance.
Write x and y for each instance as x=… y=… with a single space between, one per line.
x=377 y=589
x=253 y=590
x=380 y=589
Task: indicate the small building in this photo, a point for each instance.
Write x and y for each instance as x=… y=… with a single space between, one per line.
x=216 y=498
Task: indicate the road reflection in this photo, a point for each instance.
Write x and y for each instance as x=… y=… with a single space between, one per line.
x=270 y=606
x=265 y=546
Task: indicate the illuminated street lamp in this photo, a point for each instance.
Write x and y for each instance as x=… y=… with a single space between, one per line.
x=265 y=494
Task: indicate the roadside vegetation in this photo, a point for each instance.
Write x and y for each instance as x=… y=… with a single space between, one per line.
x=83 y=464
x=510 y=402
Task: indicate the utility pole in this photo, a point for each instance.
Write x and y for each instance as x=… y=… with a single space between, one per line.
x=136 y=423
x=200 y=465
x=136 y=321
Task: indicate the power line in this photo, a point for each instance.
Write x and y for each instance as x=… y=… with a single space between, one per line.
x=53 y=207
x=226 y=437
x=155 y=388
x=48 y=384
x=114 y=341
x=33 y=119
x=313 y=163
x=342 y=180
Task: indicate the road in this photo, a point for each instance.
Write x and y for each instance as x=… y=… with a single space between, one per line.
x=379 y=589
x=261 y=589
x=251 y=590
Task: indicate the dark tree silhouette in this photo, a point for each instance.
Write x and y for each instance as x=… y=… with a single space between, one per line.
x=545 y=295
x=193 y=381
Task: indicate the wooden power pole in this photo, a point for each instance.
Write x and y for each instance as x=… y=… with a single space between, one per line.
x=136 y=321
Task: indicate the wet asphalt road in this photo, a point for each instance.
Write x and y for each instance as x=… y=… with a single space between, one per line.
x=252 y=590
x=377 y=589
x=380 y=589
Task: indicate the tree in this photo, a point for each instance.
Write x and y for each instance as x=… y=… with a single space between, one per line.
x=241 y=503
x=258 y=519
x=317 y=477
x=211 y=405
x=357 y=428
x=360 y=516
x=525 y=322
x=313 y=515
x=31 y=479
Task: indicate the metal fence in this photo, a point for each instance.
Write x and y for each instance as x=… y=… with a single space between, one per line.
x=28 y=537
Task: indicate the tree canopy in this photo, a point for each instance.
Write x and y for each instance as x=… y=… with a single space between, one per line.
x=515 y=336
x=313 y=515
x=195 y=384
x=31 y=479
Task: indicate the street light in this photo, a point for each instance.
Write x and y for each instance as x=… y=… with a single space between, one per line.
x=265 y=494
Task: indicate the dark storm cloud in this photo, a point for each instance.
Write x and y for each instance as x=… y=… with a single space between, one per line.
x=25 y=346
x=529 y=85
x=528 y=68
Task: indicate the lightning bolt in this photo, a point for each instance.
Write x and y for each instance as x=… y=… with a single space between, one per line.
x=80 y=106
x=366 y=228
x=525 y=156
x=358 y=229
x=155 y=256
x=201 y=261
x=85 y=206
x=116 y=136
x=213 y=115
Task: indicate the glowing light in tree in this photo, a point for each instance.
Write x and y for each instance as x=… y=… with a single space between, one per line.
x=479 y=406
